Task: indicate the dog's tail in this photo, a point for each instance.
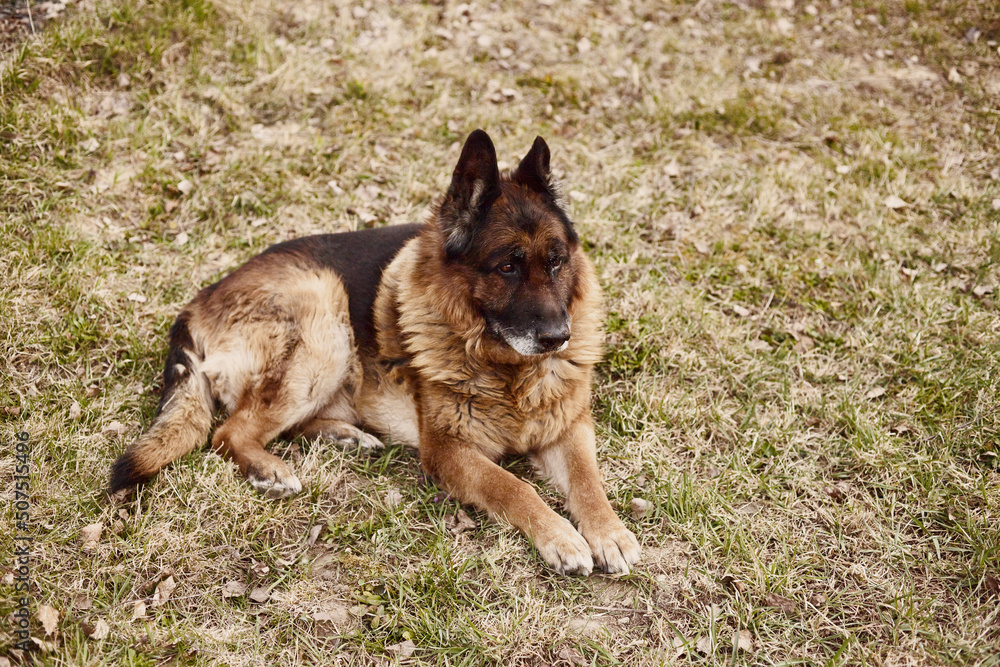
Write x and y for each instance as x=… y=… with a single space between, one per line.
x=183 y=417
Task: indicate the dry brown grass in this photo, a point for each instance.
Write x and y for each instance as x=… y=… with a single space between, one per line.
x=800 y=379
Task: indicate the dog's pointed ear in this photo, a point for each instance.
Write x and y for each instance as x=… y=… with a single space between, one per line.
x=475 y=185
x=533 y=171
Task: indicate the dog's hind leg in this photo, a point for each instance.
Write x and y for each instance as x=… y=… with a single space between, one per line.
x=284 y=361
x=241 y=439
x=292 y=393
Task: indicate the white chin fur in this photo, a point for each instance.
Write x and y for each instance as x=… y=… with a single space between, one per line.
x=522 y=344
x=527 y=345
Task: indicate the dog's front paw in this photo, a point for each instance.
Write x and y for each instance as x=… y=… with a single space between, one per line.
x=614 y=546
x=274 y=479
x=564 y=549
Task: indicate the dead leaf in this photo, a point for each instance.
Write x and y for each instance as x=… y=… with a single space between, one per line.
x=163 y=591
x=402 y=649
x=115 y=104
x=459 y=523
x=113 y=429
x=82 y=602
x=185 y=187
x=587 y=626
x=817 y=599
x=98 y=630
x=139 y=610
x=672 y=169
x=233 y=589
x=369 y=193
x=49 y=618
x=393 y=498
x=571 y=655
x=150 y=585
x=680 y=645
x=736 y=584
x=740 y=310
x=991 y=584
x=639 y=507
x=900 y=428
x=258 y=571
x=705 y=645
x=804 y=343
x=260 y=595
x=894 y=202
x=333 y=620
x=702 y=247
x=90 y=536
x=138 y=298
x=875 y=393
x=786 y=605
x=834 y=492
x=75 y=411
x=42 y=645
x=366 y=216
x=982 y=290
x=742 y=640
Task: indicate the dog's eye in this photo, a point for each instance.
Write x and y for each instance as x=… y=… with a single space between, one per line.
x=507 y=269
x=556 y=264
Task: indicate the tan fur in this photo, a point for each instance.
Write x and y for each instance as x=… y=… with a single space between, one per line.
x=273 y=343
x=190 y=410
x=275 y=347
x=475 y=411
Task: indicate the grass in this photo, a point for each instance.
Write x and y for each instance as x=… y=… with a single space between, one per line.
x=799 y=379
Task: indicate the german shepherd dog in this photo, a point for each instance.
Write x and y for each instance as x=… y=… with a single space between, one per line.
x=471 y=337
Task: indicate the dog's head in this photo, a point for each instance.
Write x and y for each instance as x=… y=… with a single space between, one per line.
x=514 y=244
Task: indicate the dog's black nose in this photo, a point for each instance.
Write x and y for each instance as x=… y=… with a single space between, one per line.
x=554 y=336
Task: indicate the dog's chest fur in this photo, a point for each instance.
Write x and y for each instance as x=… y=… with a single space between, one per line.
x=499 y=409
